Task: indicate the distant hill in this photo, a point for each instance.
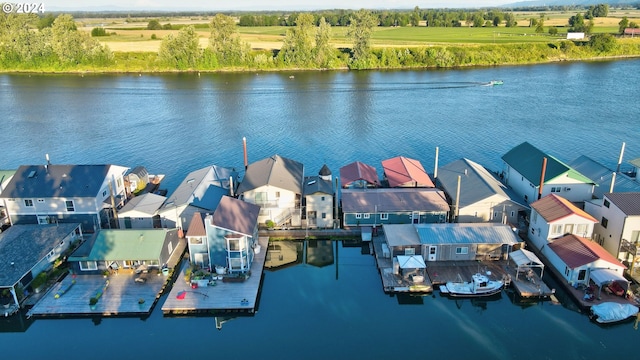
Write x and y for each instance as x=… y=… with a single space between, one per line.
x=538 y=3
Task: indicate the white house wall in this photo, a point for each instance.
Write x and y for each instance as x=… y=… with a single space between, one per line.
x=618 y=227
x=276 y=206
x=540 y=232
x=315 y=203
x=570 y=189
x=490 y=210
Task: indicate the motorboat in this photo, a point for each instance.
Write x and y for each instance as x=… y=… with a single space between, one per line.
x=612 y=312
x=480 y=285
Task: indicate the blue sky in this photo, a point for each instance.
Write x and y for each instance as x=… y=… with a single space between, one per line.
x=265 y=4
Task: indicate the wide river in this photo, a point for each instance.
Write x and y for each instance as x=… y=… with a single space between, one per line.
x=177 y=123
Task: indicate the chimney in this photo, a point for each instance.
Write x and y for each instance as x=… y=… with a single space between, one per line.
x=613 y=182
x=231 y=186
x=244 y=147
x=544 y=169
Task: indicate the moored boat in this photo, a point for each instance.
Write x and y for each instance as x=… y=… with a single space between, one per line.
x=612 y=312
x=480 y=285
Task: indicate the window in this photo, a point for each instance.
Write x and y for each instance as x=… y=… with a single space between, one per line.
x=513 y=213
x=566 y=271
x=535 y=217
x=581 y=229
x=119 y=183
x=28 y=202
x=604 y=222
x=409 y=251
x=462 y=250
x=606 y=203
x=555 y=189
x=367 y=215
x=324 y=215
x=582 y=275
x=104 y=193
x=358 y=216
x=88 y=265
x=234 y=244
x=277 y=194
x=556 y=229
x=322 y=198
x=384 y=216
x=41 y=201
x=69 y=205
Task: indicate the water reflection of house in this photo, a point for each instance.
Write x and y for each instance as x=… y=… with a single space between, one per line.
x=319 y=252
x=281 y=254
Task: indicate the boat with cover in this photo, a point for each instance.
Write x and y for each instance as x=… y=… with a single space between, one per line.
x=612 y=312
x=480 y=285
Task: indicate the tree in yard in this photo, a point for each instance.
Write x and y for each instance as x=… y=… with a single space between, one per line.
x=224 y=42
x=181 y=51
x=299 y=42
x=510 y=20
x=360 y=29
x=577 y=24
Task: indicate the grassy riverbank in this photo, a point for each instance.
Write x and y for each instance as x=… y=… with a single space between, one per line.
x=396 y=57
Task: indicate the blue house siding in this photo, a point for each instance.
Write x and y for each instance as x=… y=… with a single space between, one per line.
x=350 y=219
x=217 y=246
x=88 y=221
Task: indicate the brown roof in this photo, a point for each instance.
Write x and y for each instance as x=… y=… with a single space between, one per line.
x=402 y=171
x=358 y=171
x=393 y=200
x=196 y=226
x=631 y=31
x=236 y=215
x=576 y=251
x=553 y=207
x=627 y=202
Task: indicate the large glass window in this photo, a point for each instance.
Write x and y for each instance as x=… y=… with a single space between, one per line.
x=556 y=229
x=88 y=265
x=462 y=250
x=70 y=206
x=28 y=202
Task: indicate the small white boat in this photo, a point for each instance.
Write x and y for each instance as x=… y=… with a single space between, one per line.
x=611 y=312
x=480 y=285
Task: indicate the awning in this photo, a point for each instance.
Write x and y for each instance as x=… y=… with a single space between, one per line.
x=411 y=262
x=525 y=257
x=605 y=276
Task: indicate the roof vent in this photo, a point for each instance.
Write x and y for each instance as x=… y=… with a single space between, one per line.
x=311 y=182
x=31 y=174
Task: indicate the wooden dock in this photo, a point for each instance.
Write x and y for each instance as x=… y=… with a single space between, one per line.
x=123 y=295
x=529 y=285
x=396 y=283
x=221 y=297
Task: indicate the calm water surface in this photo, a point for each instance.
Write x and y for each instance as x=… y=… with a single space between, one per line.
x=174 y=124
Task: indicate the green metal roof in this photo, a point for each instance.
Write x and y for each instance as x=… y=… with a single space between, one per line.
x=128 y=244
x=527 y=160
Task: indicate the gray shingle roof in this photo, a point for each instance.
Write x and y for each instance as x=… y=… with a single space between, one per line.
x=39 y=181
x=25 y=246
x=602 y=175
x=476 y=183
x=627 y=202
x=236 y=215
x=274 y=171
x=393 y=200
x=196 y=184
x=314 y=184
x=147 y=203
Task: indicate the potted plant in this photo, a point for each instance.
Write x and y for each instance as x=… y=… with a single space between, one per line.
x=38 y=283
x=93 y=301
x=270 y=224
x=141 y=303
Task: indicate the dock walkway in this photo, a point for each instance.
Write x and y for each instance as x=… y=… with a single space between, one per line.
x=221 y=297
x=123 y=295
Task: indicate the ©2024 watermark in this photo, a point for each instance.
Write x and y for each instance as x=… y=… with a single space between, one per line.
x=23 y=8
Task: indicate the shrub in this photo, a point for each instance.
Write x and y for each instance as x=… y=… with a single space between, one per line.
x=39 y=280
x=98 y=31
x=270 y=223
x=153 y=37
